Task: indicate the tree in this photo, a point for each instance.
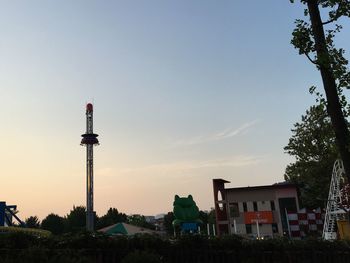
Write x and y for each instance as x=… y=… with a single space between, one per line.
x=311 y=39
x=76 y=219
x=212 y=216
x=111 y=217
x=32 y=222
x=313 y=146
x=140 y=220
x=53 y=223
x=168 y=223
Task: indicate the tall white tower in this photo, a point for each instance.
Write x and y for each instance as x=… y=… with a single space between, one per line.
x=89 y=140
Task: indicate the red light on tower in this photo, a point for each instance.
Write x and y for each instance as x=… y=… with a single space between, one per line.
x=89 y=107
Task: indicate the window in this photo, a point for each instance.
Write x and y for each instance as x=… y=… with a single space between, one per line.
x=272 y=203
x=220 y=198
x=255 y=205
x=245 y=207
x=248 y=228
x=290 y=204
x=234 y=210
x=274 y=228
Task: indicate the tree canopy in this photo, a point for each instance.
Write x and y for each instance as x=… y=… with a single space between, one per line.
x=111 y=217
x=140 y=220
x=312 y=145
x=76 y=219
x=32 y=222
x=314 y=38
x=53 y=223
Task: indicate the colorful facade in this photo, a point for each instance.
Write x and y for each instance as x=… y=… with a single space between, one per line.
x=258 y=211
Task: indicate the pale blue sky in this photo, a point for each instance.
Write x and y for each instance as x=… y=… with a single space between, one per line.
x=184 y=91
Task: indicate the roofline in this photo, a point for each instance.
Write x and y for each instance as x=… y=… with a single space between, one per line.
x=273 y=186
x=219 y=180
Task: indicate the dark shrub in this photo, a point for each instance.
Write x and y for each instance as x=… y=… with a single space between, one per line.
x=18 y=240
x=141 y=257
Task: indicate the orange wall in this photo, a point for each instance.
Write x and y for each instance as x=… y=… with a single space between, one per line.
x=264 y=217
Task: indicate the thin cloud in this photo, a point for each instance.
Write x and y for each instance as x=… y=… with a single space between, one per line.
x=228 y=133
x=235 y=161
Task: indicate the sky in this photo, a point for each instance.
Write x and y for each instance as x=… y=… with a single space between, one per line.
x=184 y=92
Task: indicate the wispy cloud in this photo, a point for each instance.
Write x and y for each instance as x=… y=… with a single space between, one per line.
x=234 y=161
x=228 y=133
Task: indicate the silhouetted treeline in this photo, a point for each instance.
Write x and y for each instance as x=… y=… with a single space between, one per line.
x=75 y=221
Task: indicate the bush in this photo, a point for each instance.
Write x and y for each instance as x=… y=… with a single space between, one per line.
x=146 y=242
x=141 y=257
x=18 y=240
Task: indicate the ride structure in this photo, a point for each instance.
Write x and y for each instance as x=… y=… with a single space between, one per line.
x=7 y=212
x=8 y=225
x=337 y=211
x=89 y=140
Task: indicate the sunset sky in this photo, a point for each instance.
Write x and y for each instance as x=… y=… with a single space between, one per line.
x=184 y=91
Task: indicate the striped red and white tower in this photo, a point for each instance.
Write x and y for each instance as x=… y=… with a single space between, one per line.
x=89 y=140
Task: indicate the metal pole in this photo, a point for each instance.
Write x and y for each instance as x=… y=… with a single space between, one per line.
x=90 y=190
x=289 y=232
x=257 y=228
x=89 y=139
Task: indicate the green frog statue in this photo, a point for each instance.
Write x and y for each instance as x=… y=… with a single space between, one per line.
x=186 y=214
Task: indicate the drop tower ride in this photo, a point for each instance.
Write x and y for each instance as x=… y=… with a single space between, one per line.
x=89 y=140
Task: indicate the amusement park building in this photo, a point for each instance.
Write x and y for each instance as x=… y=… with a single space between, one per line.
x=253 y=211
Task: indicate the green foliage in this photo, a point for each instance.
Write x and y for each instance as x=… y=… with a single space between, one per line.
x=313 y=146
x=87 y=247
x=314 y=38
x=140 y=220
x=212 y=216
x=32 y=222
x=76 y=219
x=313 y=142
x=188 y=241
x=18 y=240
x=25 y=230
x=141 y=257
x=42 y=255
x=168 y=220
x=53 y=223
x=69 y=256
x=303 y=39
x=111 y=217
x=313 y=138
x=147 y=242
x=86 y=240
x=227 y=242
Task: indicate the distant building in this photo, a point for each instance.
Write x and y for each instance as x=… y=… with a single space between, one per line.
x=150 y=219
x=159 y=222
x=253 y=211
